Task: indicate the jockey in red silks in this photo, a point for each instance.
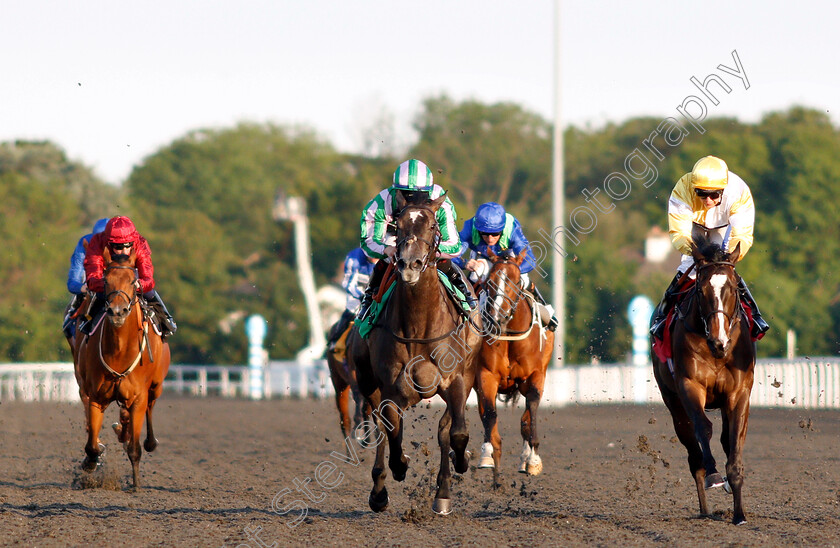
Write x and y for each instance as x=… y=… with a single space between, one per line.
x=120 y=236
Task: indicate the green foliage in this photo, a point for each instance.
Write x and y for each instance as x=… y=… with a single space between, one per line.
x=205 y=203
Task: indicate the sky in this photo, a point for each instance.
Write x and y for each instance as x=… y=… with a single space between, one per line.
x=111 y=82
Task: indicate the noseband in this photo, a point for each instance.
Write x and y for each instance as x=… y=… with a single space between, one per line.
x=130 y=298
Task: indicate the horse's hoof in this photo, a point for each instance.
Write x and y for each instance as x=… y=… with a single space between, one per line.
x=714 y=480
x=534 y=465
x=486 y=458
x=150 y=444
x=378 y=501
x=740 y=520
x=117 y=429
x=727 y=487
x=442 y=507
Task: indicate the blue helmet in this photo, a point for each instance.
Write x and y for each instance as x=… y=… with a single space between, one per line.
x=413 y=175
x=100 y=225
x=490 y=218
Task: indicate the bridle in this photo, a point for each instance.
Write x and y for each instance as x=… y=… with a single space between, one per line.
x=734 y=318
x=411 y=238
x=131 y=299
x=495 y=303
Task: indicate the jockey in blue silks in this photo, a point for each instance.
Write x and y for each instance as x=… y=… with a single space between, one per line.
x=76 y=277
x=358 y=269
x=494 y=228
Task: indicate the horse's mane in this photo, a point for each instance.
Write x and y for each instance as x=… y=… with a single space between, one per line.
x=711 y=251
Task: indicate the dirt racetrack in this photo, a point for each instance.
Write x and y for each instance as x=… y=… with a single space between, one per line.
x=613 y=476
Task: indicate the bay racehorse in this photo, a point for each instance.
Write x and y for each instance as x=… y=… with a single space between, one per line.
x=418 y=348
x=122 y=361
x=512 y=360
x=344 y=381
x=713 y=361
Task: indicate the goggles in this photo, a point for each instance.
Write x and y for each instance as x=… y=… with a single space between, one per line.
x=490 y=233
x=704 y=193
x=126 y=245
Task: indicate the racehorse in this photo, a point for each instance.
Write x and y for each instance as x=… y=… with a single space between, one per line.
x=417 y=348
x=713 y=365
x=344 y=381
x=123 y=361
x=513 y=359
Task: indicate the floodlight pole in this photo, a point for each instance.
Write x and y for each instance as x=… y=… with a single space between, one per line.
x=558 y=295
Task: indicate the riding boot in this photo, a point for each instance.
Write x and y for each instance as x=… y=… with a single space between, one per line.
x=92 y=314
x=456 y=276
x=68 y=326
x=166 y=322
x=660 y=314
x=547 y=317
x=760 y=326
x=372 y=288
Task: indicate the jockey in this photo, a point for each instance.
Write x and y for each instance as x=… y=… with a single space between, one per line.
x=378 y=239
x=358 y=269
x=121 y=237
x=710 y=199
x=76 y=277
x=498 y=230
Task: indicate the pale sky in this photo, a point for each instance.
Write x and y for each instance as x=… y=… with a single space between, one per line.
x=112 y=81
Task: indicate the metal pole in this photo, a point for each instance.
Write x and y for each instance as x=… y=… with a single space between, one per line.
x=558 y=295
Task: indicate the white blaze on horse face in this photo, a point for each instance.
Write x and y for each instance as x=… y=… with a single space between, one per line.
x=718 y=281
x=414 y=215
x=500 y=293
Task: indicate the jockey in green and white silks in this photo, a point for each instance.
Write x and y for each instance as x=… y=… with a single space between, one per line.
x=379 y=214
x=378 y=234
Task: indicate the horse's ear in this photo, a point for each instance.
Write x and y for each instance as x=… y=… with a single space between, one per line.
x=401 y=201
x=695 y=252
x=492 y=255
x=735 y=255
x=437 y=202
x=106 y=255
x=521 y=257
x=85 y=244
x=133 y=257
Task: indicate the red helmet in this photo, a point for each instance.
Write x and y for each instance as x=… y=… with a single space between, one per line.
x=121 y=230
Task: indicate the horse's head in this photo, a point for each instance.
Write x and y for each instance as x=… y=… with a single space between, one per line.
x=120 y=290
x=502 y=285
x=717 y=290
x=418 y=236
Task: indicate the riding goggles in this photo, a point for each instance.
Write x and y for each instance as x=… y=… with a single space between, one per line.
x=703 y=193
x=490 y=233
x=126 y=245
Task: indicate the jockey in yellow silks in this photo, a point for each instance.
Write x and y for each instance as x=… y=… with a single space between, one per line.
x=719 y=203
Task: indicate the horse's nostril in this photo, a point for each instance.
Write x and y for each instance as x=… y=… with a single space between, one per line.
x=417 y=264
x=401 y=264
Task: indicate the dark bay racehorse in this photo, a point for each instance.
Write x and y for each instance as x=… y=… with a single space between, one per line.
x=713 y=365
x=344 y=381
x=123 y=360
x=512 y=360
x=418 y=349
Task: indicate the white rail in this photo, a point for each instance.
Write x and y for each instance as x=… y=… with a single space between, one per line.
x=799 y=383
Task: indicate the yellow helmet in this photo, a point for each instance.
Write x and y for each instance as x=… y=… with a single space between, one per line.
x=710 y=173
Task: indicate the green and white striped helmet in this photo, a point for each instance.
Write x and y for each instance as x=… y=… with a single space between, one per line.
x=413 y=175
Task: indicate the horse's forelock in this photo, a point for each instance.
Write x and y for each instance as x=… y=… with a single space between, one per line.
x=712 y=252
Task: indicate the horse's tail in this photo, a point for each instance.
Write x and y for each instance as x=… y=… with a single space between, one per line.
x=510 y=398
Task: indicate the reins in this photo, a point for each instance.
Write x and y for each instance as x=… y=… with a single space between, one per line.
x=132 y=301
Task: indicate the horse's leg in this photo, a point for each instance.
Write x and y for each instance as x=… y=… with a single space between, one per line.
x=136 y=413
x=694 y=399
x=121 y=427
x=378 y=498
x=93 y=448
x=391 y=414
x=443 y=504
x=491 y=449
x=358 y=415
x=342 y=402
x=532 y=465
x=737 y=419
x=459 y=435
x=151 y=443
x=685 y=432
